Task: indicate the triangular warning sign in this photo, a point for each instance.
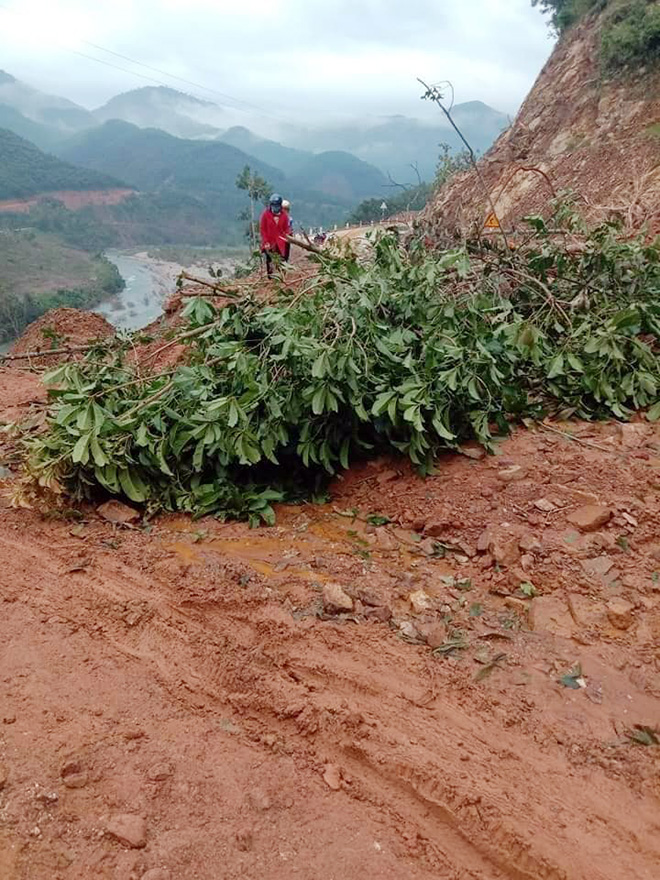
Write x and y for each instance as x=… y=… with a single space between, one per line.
x=492 y=222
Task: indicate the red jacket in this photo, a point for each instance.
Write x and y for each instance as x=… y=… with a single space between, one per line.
x=273 y=229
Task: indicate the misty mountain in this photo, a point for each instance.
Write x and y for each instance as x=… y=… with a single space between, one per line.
x=271 y=152
x=161 y=107
x=60 y=114
x=394 y=143
x=151 y=159
x=26 y=171
x=340 y=175
x=44 y=136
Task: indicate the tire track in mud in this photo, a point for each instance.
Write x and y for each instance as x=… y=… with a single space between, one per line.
x=327 y=696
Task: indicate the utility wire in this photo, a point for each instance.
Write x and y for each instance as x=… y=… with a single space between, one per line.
x=162 y=72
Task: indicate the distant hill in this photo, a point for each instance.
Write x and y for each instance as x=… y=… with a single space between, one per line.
x=44 y=136
x=271 y=152
x=340 y=175
x=26 y=171
x=394 y=143
x=161 y=107
x=59 y=113
x=154 y=160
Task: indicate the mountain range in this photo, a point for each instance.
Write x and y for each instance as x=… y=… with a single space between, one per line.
x=391 y=144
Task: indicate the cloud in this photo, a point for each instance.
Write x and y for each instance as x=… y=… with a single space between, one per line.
x=297 y=59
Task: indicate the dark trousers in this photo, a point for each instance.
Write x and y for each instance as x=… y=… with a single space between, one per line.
x=273 y=259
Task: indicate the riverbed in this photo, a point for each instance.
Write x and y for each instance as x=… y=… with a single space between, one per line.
x=148 y=284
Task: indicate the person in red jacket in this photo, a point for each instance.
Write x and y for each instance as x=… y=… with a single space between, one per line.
x=274 y=224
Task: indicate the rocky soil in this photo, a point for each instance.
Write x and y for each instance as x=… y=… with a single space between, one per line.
x=455 y=677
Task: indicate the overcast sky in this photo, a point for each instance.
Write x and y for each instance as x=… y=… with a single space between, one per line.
x=299 y=59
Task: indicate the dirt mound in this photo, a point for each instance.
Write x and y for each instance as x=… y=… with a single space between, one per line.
x=575 y=131
x=62 y=328
x=186 y=695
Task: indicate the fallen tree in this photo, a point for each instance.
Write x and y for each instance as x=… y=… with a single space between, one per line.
x=414 y=352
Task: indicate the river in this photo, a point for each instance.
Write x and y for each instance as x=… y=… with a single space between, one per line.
x=148 y=283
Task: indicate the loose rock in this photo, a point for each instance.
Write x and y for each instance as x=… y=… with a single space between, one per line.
x=336 y=600
x=590 y=518
x=544 y=505
x=4 y=775
x=332 y=777
x=160 y=772
x=129 y=829
x=117 y=512
x=551 y=614
x=420 y=601
x=504 y=553
x=620 y=613
x=157 y=874
x=74 y=775
x=511 y=474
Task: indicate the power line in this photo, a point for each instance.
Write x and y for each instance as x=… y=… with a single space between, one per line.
x=162 y=72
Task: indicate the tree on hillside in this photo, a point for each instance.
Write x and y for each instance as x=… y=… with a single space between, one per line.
x=258 y=190
x=415 y=197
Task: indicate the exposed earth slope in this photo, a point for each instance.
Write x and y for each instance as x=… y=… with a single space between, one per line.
x=577 y=130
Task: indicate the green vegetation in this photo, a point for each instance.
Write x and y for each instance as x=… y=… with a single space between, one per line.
x=38 y=272
x=414 y=352
x=630 y=36
x=565 y=13
x=26 y=171
x=414 y=198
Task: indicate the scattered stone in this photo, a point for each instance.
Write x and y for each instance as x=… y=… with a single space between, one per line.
x=74 y=775
x=654 y=552
x=527 y=562
x=436 y=529
x=157 y=874
x=9 y=719
x=117 y=512
x=434 y=634
x=260 y=800
x=590 y=518
x=244 y=839
x=518 y=605
x=504 y=553
x=476 y=453
x=385 y=540
x=512 y=474
x=134 y=733
x=427 y=546
x=484 y=540
x=409 y=630
x=4 y=775
x=368 y=597
x=551 y=614
x=160 y=772
x=587 y=612
x=332 y=777
x=620 y=613
x=420 y=601
x=387 y=476
x=129 y=829
x=544 y=505
x=598 y=567
x=529 y=543
x=47 y=798
x=336 y=600
x=381 y=613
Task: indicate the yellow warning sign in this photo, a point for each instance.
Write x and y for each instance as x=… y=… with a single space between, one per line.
x=492 y=222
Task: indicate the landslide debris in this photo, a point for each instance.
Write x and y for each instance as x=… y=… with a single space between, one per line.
x=414 y=352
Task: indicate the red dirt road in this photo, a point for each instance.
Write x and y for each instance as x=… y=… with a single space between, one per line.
x=181 y=687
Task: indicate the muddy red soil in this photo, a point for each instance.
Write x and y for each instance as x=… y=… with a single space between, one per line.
x=197 y=700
